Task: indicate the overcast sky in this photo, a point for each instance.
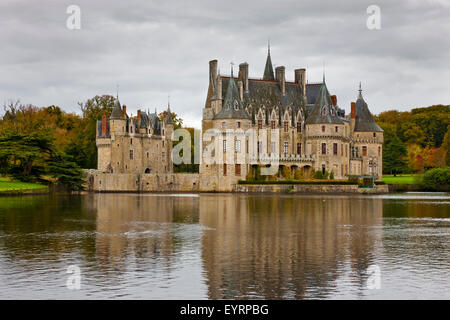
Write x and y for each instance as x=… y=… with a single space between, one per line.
x=155 y=48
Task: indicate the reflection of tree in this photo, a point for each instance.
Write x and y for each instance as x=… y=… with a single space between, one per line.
x=276 y=247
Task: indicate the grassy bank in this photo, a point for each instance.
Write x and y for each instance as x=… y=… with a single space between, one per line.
x=402 y=179
x=8 y=186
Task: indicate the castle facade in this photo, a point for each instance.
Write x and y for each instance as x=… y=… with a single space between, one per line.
x=295 y=124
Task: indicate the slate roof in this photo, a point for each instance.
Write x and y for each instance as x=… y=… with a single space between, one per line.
x=364 y=121
x=312 y=91
x=117 y=112
x=324 y=111
x=232 y=104
x=268 y=70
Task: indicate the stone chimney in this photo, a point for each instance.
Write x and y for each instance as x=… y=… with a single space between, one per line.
x=300 y=78
x=124 y=108
x=334 y=100
x=243 y=75
x=139 y=114
x=213 y=72
x=281 y=78
x=353 y=110
x=241 y=90
x=104 y=124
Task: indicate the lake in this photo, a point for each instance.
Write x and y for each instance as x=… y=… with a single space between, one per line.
x=225 y=246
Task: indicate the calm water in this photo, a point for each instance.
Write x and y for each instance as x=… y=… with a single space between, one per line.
x=225 y=246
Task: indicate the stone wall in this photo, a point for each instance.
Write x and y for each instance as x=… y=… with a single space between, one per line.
x=130 y=182
x=304 y=188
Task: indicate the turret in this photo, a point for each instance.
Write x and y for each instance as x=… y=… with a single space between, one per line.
x=117 y=119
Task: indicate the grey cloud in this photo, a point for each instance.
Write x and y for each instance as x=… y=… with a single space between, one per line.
x=153 y=48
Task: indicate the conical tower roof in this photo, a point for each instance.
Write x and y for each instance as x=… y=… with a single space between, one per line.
x=268 y=70
x=364 y=120
x=232 y=106
x=117 y=112
x=169 y=119
x=324 y=111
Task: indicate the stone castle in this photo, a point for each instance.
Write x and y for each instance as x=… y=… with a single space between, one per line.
x=312 y=133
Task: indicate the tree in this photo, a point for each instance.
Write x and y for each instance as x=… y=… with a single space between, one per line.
x=394 y=157
x=446 y=147
x=31 y=157
x=83 y=148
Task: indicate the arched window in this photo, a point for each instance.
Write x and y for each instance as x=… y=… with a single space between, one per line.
x=147 y=170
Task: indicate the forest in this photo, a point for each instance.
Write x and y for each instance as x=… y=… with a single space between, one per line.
x=45 y=143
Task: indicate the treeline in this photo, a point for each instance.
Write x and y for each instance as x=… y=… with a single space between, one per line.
x=416 y=140
x=34 y=140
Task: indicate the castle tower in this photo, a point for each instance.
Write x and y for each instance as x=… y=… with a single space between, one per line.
x=367 y=136
x=327 y=136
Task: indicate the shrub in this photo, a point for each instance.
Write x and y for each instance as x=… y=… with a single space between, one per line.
x=298 y=175
x=286 y=172
x=436 y=179
x=318 y=174
x=331 y=175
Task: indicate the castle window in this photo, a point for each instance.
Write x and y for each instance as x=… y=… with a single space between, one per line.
x=238 y=124
x=131 y=154
x=299 y=127
x=163 y=132
x=285 y=126
x=131 y=141
x=364 y=151
x=286 y=147
x=147 y=155
x=379 y=151
x=223 y=125
x=259 y=146
x=224 y=169
x=299 y=148
x=224 y=145
x=374 y=134
x=336 y=129
x=273 y=147
x=323 y=128
x=259 y=124
x=237 y=169
x=131 y=129
x=163 y=157
x=163 y=143
x=272 y=124
x=335 y=147
x=324 y=148
x=238 y=146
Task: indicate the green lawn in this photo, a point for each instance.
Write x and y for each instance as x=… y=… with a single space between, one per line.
x=401 y=179
x=6 y=185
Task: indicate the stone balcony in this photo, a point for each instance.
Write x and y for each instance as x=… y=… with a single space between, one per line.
x=264 y=157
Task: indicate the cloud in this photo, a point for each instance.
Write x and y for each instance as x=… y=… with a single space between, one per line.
x=155 y=48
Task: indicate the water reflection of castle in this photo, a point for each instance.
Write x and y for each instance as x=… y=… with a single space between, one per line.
x=253 y=246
